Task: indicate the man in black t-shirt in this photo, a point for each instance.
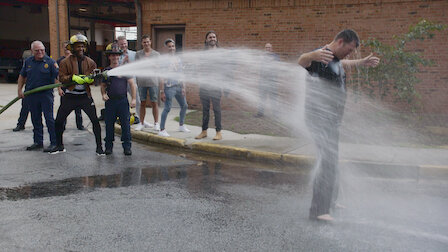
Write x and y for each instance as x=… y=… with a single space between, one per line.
x=324 y=109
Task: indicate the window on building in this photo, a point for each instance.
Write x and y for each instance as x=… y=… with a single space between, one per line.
x=129 y=32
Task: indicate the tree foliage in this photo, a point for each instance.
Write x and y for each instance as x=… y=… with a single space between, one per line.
x=397 y=73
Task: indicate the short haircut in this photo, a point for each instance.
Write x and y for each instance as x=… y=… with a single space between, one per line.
x=168 y=41
x=146 y=36
x=36 y=42
x=121 y=38
x=348 y=36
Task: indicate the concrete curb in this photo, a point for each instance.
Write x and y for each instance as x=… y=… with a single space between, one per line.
x=391 y=169
x=253 y=155
x=153 y=138
x=222 y=150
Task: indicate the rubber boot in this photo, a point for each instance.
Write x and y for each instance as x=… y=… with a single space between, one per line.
x=202 y=135
x=218 y=136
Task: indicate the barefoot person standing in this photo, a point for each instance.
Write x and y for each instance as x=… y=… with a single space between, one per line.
x=324 y=109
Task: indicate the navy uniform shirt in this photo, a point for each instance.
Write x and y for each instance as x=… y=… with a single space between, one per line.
x=39 y=72
x=116 y=87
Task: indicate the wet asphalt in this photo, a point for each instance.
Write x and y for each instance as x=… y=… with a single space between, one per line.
x=161 y=199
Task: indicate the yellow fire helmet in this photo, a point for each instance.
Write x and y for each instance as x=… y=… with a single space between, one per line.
x=113 y=48
x=131 y=118
x=78 y=38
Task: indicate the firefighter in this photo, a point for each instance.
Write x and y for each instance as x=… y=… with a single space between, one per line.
x=74 y=69
x=114 y=92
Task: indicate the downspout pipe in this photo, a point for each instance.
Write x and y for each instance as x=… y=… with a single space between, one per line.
x=138 y=10
x=58 y=38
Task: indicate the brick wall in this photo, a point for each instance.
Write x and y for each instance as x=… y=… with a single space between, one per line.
x=294 y=27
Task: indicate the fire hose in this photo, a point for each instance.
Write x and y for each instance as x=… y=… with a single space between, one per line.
x=96 y=75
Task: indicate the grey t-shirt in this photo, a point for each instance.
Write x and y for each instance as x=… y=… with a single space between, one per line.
x=149 y=81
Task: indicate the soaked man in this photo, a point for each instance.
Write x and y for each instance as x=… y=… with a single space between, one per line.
x=210 y=95
x=39 y=70
x=324 y=108
x=74 y=70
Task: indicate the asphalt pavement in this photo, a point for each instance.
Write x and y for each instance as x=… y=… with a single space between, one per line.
x=168 y=196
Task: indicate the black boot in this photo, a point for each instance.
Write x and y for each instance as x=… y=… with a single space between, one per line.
x=127 y=152
x=34 y=146
x=18 y=128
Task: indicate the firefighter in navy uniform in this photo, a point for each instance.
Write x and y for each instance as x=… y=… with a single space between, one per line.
x=74 y=69
x=39 y=70
x=114 y=92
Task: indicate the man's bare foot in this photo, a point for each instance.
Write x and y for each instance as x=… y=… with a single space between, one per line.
x=325 y=217
x=340 y=206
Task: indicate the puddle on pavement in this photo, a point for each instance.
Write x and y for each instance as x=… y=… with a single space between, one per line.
x=204 y=176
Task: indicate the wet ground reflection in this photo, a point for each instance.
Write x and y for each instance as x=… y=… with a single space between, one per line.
x=202 y=177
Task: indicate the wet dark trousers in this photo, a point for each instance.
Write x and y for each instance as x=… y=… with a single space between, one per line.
x=324 y=111
x=213 y=96
x=326 y=181
x=117 y=108
x=70 y=102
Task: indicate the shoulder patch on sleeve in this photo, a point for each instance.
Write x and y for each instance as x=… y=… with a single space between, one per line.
x=56 y=65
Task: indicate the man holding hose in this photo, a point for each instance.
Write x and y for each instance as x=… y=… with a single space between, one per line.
x=74 y=69
x=39 y=70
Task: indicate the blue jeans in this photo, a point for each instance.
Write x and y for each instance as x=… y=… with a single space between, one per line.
x=117 y=108
x=42 y=103
x=170 y=92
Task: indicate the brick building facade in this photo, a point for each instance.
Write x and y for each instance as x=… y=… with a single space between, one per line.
x=295 y=26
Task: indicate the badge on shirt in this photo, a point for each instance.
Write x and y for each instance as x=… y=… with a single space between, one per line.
x=46 y=66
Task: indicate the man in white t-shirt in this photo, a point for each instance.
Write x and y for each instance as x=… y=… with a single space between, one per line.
x=128 y=56
x=148 y=85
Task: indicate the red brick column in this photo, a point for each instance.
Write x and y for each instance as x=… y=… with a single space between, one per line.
x=58 y=24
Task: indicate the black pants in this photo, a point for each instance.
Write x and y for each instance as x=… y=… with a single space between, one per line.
x=213 y=96
x=324 y=111
x=24 y=111
x=78 y=118
x=70 y=102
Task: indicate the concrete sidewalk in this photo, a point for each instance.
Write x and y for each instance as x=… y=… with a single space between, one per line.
x=298 y=151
